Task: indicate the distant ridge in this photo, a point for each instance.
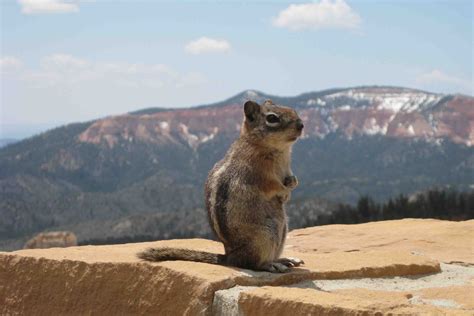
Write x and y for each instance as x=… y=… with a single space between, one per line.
x=140 y=175
x=239 y=97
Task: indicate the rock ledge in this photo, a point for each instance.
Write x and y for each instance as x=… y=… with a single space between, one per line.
x=403 y=266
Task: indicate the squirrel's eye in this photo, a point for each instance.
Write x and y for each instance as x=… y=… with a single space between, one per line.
x=273 y=119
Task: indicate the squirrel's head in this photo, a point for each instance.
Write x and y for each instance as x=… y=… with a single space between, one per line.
x=275 y=125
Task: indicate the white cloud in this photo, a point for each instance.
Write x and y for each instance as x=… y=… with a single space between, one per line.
x=48 y=6
x=63 y=61
x=207 y=45
x=436 y=77
x=63 y=70
x=314 y=16
x=70 y=88
x=10 y=63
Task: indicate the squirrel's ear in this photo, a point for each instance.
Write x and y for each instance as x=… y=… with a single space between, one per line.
x=251 y=109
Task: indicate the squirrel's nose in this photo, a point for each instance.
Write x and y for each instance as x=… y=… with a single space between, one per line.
x=299 y=124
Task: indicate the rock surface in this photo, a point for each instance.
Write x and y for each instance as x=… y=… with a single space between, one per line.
x=52 y=239
x=406 y=266
x=444 y=241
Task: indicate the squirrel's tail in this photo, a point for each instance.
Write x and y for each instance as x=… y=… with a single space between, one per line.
x=165 y=254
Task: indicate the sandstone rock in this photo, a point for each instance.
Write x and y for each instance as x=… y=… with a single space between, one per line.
x=103 y=280
x=52 y=239
x=459 y=297
x=294 y=301
x=440 y=240
x=107 y=280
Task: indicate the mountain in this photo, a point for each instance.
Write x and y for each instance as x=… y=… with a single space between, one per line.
x=6 y=141
x=141 y=174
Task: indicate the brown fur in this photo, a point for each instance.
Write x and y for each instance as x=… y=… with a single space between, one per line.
x=246 y=192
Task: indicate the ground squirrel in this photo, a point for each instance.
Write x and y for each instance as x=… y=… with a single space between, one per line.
x=246 y=192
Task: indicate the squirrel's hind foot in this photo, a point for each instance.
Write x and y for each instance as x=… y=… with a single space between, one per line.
x=274 y=267
x=290 y=262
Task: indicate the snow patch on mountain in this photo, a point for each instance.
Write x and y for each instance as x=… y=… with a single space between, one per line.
x=394 y=101
x=251 y=94
x=373 y=128
x=190 y=138
x=391 y=112
x=194 y=140
x=211 y=136
x=164 y=125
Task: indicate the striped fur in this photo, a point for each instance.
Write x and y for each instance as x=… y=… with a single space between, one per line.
x=245 y=195
x=167 y=254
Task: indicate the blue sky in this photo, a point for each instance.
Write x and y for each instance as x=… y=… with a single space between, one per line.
x=79 y=60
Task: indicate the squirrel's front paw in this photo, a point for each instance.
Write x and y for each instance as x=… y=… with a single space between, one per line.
x=283 y=198
x=290 y=182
